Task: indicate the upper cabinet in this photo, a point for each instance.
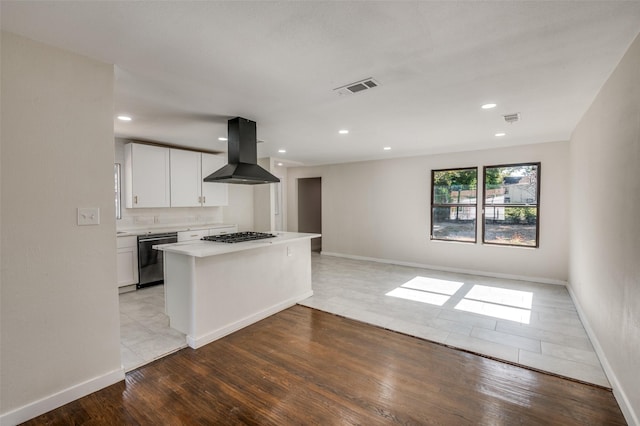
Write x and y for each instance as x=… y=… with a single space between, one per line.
x=147 y=175
x=213 y=193
x=170 y=177
x=188 y=168
x=186 y=178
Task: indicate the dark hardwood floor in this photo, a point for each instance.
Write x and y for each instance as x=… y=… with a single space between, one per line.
x=303 y=366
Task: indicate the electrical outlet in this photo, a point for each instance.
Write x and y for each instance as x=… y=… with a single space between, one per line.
x=88 y=216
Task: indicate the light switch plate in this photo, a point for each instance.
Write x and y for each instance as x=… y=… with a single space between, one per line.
x=88 y=216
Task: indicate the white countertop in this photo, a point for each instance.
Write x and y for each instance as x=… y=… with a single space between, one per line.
x=178 y=228
x=210 y=248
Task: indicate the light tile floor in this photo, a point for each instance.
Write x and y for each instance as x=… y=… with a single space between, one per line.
x=144 y=328
x=526 y=323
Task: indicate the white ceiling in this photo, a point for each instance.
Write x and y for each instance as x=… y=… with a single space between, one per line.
x=184 y=68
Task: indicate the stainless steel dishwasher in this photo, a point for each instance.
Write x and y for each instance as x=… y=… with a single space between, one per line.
x=150 y=262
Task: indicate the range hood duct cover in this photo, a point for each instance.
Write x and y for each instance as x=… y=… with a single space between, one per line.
x=243 y=157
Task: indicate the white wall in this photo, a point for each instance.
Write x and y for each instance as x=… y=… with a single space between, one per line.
x=240 y=208
x=266 y=198
x=263 y=219
x=381 y=209
x=59 y=300
x=280 y=195
x=605 y=227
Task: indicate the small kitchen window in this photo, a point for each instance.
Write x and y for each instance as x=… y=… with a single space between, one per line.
x=116 y=172
x=454 y=204
x=511 y=206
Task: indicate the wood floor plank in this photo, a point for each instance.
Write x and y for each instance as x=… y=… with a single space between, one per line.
x=303 y=366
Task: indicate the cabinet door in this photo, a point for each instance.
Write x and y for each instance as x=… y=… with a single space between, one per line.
x=147 y=170
x=213 y=193
x=186 y=178
x=127 y=261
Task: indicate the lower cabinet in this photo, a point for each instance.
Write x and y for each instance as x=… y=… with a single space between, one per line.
x=127 y=260
x=223 y=230
x=192 y=235
x=197 y=234
x=127 y=257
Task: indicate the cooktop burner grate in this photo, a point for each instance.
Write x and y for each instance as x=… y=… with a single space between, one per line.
x=238 y=237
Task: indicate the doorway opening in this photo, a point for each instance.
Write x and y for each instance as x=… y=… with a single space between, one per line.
x=310 y=209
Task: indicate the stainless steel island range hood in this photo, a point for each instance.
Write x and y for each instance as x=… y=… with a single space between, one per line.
x=243 y=156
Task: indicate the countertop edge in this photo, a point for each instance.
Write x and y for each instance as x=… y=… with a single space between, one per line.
x=208 y=249
x=136 y=232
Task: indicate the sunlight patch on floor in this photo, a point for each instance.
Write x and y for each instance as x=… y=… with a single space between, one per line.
x=426 y=290
x=496 y=302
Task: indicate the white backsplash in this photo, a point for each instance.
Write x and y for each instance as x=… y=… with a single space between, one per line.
x=160 y=218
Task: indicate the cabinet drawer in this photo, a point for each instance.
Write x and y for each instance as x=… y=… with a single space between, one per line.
x=128 y=241
x=192 y=235
x=223 y=230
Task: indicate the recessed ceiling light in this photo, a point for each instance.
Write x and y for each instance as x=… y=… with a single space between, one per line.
x=387 y=148
x=488 y=106
x=282 y=151
x=222 y=138
x=500 y=134
x=124 y=118
x=279 y=164
x=343 y=131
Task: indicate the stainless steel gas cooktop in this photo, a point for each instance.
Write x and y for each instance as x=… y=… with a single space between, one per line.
x=238 y=237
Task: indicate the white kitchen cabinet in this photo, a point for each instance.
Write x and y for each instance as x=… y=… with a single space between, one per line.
x=223 y=230
x=213 y=193
x=127 y=260
x=192 y=235
x=186 y=178
x=147 y=176
x=188 y=168
x=167 y=177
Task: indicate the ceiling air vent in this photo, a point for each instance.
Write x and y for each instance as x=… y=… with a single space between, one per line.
x=512 y=118
x=358 y=86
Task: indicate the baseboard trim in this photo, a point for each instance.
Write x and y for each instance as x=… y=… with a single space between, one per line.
x=448 y=269
x=198 y=342
x=60 y=398
x=628 y=411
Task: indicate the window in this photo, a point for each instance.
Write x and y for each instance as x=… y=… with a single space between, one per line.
x=453 y=204
x=511 y=204
x=116 y=175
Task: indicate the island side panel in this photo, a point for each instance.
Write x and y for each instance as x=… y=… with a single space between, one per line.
x=179 y=274
x=237 y=289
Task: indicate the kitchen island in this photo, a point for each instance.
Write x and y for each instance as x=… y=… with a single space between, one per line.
x=213 y=289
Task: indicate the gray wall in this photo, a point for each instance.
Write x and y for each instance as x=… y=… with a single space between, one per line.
x=59 y=299
x=381 y=210
x=605 y=226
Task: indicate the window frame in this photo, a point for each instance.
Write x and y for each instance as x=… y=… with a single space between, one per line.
x=118 y=189
x=435 y=205
x=536 y=204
